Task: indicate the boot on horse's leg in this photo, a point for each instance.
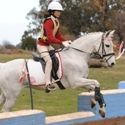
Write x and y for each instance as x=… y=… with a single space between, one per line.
x=100 y=99
x=93 y=102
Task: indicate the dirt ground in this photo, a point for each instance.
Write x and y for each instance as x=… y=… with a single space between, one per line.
x=115 y=121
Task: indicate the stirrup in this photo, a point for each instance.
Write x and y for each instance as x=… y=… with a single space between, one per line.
x=46 y=90
x=50 y=87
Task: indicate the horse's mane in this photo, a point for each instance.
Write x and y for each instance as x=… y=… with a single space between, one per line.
x=92 y=33
x=87 y=36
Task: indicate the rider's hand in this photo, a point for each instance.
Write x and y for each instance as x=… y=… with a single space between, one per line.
x=66 y=43
x=69 y=41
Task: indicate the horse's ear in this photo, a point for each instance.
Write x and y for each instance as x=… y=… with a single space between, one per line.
x=107 y=33
x=111 y=33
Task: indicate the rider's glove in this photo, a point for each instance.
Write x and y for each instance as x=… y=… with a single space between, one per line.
x=69 y=41
x=66 y=43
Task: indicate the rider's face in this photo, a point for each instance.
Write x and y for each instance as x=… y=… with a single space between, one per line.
x=57 y=13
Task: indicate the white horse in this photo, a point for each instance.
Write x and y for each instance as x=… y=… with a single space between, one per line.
x=75 y=69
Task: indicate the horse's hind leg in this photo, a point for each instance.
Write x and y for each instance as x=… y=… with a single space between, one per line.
x=9 y=103
x=10 y=98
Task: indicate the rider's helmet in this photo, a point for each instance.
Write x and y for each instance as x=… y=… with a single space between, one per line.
x=55 y=6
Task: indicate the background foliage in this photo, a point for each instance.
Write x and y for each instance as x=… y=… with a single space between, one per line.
x=79 y=17
x=82 y=16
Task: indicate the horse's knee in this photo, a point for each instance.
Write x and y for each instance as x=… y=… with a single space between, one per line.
x=96 y=83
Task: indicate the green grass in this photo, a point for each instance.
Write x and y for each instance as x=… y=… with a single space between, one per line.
x=58 y=102
x=8 y=57
x=65 y=101
x=109 y=77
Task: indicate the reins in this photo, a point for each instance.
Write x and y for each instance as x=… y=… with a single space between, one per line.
x=79 y=50
x=97 y=53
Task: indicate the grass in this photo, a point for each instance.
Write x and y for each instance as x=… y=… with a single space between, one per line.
x=65 y=101
x=110 y=77
x=6 y=57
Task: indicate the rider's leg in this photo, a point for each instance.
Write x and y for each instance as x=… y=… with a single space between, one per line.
x=48 y=69
x=44 y=53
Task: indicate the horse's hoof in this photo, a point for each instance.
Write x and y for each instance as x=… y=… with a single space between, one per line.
x=93 y=103
x=102 y=112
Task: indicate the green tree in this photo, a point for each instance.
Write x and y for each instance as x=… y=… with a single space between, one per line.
x=82 y=16
x=28 y=42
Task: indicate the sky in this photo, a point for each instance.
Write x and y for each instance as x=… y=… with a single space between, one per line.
x=13 y=20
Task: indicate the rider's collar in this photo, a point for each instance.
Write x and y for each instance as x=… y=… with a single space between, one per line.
x=54 y=16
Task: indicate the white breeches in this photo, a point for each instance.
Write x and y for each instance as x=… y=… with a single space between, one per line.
x=44 y=53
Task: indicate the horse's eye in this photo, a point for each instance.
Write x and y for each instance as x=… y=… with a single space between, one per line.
x=107 y=45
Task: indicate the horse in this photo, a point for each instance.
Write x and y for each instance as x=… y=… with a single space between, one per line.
x=74 y=66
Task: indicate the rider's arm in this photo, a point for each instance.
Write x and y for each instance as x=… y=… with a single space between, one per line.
x=48 y=27
x=60 y=36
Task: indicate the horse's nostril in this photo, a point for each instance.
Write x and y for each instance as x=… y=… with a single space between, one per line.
x=112 y=64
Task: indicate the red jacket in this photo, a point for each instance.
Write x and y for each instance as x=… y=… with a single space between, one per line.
x=48 y=28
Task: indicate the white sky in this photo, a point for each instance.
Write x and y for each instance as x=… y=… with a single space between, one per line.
x=13 y=20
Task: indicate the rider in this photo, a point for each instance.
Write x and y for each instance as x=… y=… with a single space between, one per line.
x=49 y=36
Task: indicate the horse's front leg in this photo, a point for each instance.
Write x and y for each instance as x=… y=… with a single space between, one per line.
x=100 y=99
x=94 y=85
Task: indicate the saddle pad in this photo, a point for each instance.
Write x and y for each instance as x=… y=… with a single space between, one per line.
x=36 y=73
x=60 y=69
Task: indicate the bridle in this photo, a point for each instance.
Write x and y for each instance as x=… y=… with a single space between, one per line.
x=104 y=54
x=96 y=54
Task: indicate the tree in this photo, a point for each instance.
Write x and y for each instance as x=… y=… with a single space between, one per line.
x=119 y=24
x=28 y=42
x=81 y=16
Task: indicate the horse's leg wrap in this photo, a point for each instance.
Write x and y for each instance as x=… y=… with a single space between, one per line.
x=99 y=97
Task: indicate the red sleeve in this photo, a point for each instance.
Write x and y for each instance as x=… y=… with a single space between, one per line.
x=48 y=27
x=60 y=36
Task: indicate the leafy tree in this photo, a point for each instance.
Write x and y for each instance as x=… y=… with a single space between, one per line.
x=82 y=16
x=28 y=42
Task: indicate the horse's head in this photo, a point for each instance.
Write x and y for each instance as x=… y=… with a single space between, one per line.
x=105 y=49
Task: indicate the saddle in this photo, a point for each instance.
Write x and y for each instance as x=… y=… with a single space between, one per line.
x=55 y=66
